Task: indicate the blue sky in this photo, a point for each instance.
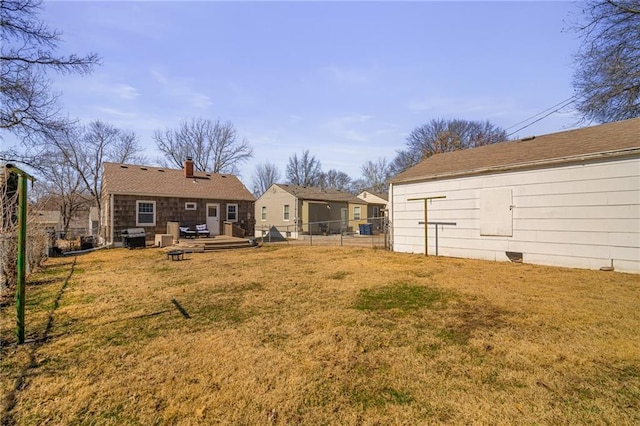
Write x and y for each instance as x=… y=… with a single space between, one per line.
x=346 y=80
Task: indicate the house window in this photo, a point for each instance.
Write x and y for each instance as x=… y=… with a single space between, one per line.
x=356 y=212
x=376 y=211
x=285 y=213
x=145 y=213
x=232 y=212
x=190 y=206
x=264 y=213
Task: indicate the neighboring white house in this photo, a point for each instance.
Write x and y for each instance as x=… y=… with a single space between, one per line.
x=566 y=199
x=377 y=205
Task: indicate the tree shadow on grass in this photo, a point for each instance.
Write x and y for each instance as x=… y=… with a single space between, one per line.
x=21 y=380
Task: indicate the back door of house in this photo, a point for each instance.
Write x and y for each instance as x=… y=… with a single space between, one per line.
x=344 y=216
x=213 y=218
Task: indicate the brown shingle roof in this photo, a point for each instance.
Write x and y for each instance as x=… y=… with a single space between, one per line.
x=320 y=194
x=129 y=179
x=619 y=138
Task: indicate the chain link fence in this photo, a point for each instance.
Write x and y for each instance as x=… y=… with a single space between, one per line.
x=374 y=233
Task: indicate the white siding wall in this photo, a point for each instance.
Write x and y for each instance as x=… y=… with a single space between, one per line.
x=580 y=216
x=274 y=200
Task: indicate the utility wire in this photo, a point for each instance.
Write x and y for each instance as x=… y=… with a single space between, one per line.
x=542 y=112
x=552 y=110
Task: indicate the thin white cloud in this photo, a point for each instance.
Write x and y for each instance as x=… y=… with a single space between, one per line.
x=349 y=75
x=114 y=114
x=199 y=100
x=126 y=91
x=180 y=90
x=349 y=127
x=159 y=76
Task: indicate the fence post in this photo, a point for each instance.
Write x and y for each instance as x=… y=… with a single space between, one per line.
x=21 y=249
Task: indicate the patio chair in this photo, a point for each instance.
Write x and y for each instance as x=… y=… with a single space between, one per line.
x=202 y=230
x=185 y=232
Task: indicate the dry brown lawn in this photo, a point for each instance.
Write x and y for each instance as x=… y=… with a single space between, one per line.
x=320 y=335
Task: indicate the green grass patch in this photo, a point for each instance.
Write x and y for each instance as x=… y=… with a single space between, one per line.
x=380 y=397
x=403 y=297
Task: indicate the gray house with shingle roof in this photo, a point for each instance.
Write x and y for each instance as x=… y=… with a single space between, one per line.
x=568 y=199
x=147 y=197
x=295 y=210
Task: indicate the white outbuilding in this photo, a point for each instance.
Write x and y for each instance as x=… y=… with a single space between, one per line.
x=565 y=199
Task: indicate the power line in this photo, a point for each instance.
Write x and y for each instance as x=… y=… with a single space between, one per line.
x=551 y=110
x=541 y=112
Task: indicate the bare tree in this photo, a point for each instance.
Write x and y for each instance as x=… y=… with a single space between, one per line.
x=28 y=107
x=304 y=171
x=335 y=179
x=62 y=185
x=86 y=149
x=8 y=231
x=357 y=186
x=443 y=136
x=403 y=160
x=213 y=146
x=376 y=174
x=263 y=177
x=607 y=78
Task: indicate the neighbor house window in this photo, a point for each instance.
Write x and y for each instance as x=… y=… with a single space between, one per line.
x=285 y=212
x=264 y=213
x=376 y=211
x=145 y=213
x=190 y=206
x=356 y=212
x=232 y=212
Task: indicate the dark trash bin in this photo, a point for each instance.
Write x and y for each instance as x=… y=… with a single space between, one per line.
x=86 y=242
x=134 y=238
x=366 y=229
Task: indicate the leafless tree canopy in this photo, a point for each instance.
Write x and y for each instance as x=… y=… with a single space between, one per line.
x=335 y=179
x=263 y=177
x=85 y=149
x=27 y=53
x=62 y=186
x=304 y=171
x=213 y=146
x=377 y=174
x=443 y=136
x=607 y=79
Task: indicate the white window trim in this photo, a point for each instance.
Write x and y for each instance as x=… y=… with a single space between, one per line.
x=138 y=202
x=285 y=211
x=190 y=206
x=237 y=213
x=263 y=213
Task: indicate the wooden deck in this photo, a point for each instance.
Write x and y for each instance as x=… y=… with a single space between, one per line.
x=218 y=242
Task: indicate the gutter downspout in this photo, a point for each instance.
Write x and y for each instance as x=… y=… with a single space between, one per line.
x=111 y=219
x=390 y=217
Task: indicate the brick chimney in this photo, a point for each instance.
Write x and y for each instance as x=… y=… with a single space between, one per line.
x=188 y=168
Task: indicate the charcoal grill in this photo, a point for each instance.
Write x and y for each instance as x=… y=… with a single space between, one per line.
x=134 y=238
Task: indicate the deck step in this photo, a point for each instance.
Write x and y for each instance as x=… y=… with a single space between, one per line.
x=217 y=243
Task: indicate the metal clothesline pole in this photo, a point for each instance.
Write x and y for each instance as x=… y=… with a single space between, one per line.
x=426 y=232
x=436 y=224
